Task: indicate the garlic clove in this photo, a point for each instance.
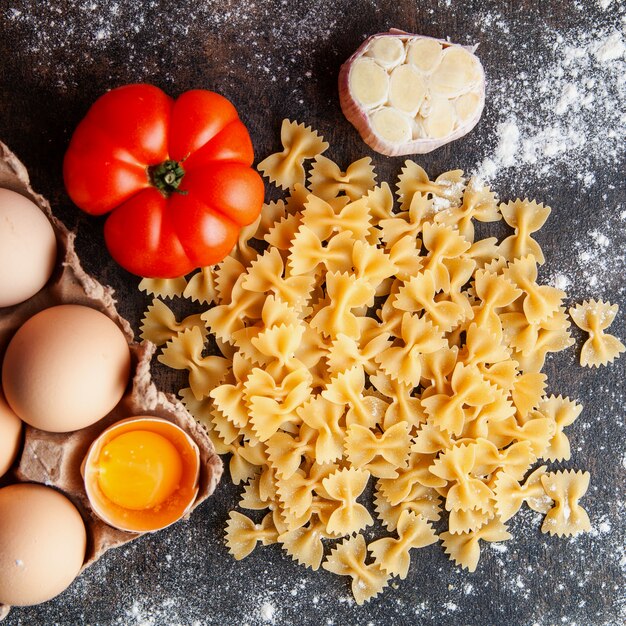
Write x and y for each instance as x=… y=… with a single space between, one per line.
x=467 y=106
x=392 y=125
x=457 y=73
x=424 y=54
x=442 y=119
x=407 y=89
x=388 y=51
x=369 y=83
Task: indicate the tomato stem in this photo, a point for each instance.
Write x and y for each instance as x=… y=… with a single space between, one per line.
x=167 y=177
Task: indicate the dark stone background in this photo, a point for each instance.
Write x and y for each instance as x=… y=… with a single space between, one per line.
x=280 y=59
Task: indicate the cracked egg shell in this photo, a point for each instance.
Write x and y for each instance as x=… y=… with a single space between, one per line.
x=141 y=474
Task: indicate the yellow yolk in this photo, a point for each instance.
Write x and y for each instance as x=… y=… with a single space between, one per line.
x=139 y=470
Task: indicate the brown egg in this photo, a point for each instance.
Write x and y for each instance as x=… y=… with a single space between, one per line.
x=141 y=474
x=28 y=248
x=65 y=368
x=10 y=435
x=42 y=544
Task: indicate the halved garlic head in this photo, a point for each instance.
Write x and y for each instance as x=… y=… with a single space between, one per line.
x=141 y=474
x=408 y=94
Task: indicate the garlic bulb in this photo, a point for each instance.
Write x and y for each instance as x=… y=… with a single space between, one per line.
x=409 y=94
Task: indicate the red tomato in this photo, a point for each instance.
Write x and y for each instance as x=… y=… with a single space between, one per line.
x=174 y=175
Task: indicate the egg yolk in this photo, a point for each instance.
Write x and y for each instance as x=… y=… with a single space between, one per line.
x=139 y=470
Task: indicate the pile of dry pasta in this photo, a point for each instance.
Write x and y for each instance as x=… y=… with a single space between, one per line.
x=368 y=344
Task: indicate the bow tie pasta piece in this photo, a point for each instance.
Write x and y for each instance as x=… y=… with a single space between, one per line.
x=184 y=352
x=567 y=517
x=409 y=94
x=482 y=347
x=242 y=534
x=479 y=203
x=419 y=295
x=267 y=414
x=413 y=180
x=468 y=388
x=325 y=220
x=286 y=453
x=594 y=317
x=407 y=223
x=393 y=555
x=464 y=548
x=538 y=431
x=159 y=325
x=442 y=243
x=163 y=287
x=525 y=217
x=382 y=455
x=526 y=392
x=325 y=417
x=403 y=363
x=283 y=232
x=304 y=544
x=403 y=408
x=348 y=559
x=454 y=466
x=266 y=274
x=327 y=181
x=202 y=286
x=431 y=439
x=346 y=486
x=297 y=493
x=299 y=144
x=540 y=301
x=513 y=460
x=421 y=500
x=511 y=494
x=345 y=292
x=347 y=389
x=563 y=412
x=227 y=274
x=380 y=202
x=397 y=490
x=224 y=320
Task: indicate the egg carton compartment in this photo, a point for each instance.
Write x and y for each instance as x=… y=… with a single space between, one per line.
x=55 y=459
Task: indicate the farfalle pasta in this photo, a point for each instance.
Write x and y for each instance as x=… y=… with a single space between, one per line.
x=299 y=144
x=159 y=324
x=327 y=181
x=566 y=517
x=364 y=346
x=594 y=317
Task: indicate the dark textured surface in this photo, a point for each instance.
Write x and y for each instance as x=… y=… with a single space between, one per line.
x=280 y=59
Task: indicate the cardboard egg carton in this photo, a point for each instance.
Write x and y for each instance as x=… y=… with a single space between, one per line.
x=55 y=459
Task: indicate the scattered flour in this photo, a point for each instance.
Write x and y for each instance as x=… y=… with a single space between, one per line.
x=267 y=612
x=576 y=83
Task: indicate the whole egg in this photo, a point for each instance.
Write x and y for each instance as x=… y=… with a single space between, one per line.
x=42 y=543
x=66 y=368
x=28 y=248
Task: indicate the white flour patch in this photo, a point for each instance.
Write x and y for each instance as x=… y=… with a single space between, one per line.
x=576 y=83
